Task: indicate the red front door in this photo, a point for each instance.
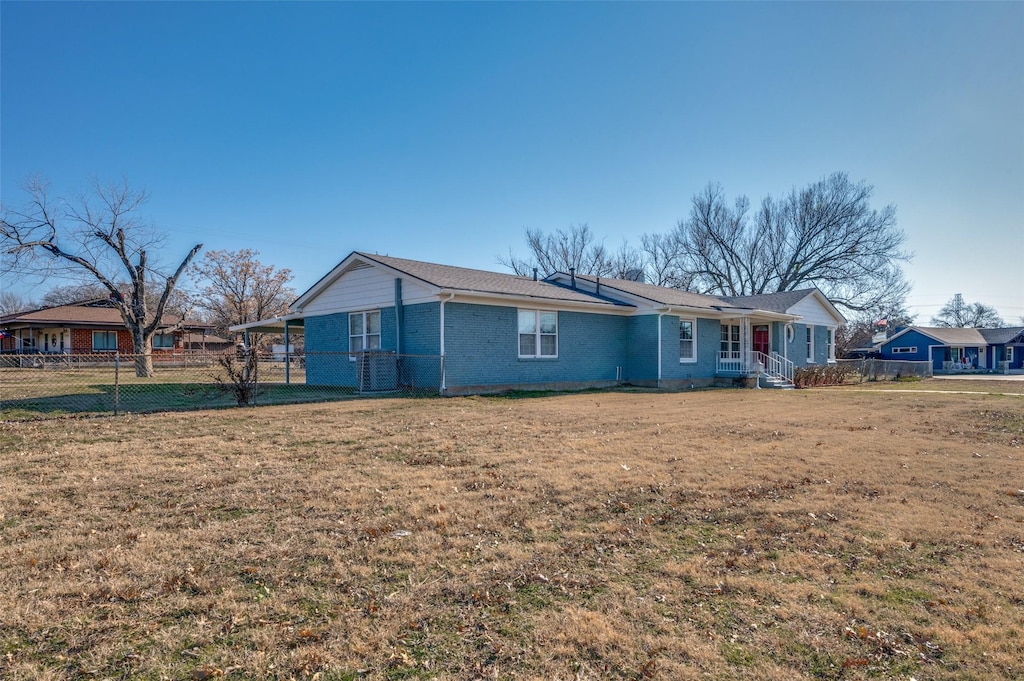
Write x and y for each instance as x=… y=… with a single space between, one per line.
x=761 y=343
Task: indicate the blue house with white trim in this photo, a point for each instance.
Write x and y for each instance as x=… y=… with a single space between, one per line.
x=498 y=331
x=956 y=350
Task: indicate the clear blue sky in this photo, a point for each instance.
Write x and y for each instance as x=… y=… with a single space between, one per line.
x=441 y=131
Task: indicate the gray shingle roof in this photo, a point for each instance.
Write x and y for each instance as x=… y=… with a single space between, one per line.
x=481 y=281
x=658 y=294
x=771 y=302
x=1001 y=336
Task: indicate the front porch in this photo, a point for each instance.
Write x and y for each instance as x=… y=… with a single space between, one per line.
x=746 y=351
x=753 y=363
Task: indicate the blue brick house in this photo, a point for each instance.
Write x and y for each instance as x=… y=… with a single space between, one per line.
x=499 y=331
x=955 y=350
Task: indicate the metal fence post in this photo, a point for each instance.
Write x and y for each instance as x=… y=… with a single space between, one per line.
x=117 y=381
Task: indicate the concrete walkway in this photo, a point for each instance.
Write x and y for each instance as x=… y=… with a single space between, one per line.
x=980 y=377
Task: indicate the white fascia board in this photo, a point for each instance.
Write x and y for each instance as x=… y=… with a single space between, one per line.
x=272 y=322
x=763 y=314
x=684 y=311
x=508 y=299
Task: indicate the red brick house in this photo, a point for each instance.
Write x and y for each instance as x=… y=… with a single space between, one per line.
x=89 y=327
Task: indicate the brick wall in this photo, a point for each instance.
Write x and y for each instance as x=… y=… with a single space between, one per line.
x=482 y=348
x=329 y=334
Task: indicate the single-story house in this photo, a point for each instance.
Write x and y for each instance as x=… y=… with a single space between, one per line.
x=92 y=326
x=498 y=331
x=956 y=349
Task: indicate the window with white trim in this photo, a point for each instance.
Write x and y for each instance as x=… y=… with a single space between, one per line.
x=538 y=333
x=1009 y=353
x=904 y=349
x=363 y=331
x=810 y=344
x=730 y=341
x=163 y=340
x=687 y=340
x=104 y=341
x=830 y=343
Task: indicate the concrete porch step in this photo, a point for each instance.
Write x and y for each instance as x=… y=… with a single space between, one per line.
x=775 y=383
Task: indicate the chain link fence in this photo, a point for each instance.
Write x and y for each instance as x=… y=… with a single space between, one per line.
x=871 y=369
x=45 y=386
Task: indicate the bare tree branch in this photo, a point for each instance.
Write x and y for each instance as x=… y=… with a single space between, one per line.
x=956 y=313
x=108 y=243
x=825 y=235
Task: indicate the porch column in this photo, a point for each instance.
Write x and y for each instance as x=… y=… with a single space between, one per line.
x=287 y=356
x=745 y=343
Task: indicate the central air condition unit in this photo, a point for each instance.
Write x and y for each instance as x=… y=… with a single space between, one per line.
x=378 y=372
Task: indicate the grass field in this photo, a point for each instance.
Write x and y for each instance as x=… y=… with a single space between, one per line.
x=729 y=534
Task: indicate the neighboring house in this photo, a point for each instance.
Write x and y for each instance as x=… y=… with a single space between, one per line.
x=203 y=341
x=500 y=331
x=956 y=349
x=93 y=326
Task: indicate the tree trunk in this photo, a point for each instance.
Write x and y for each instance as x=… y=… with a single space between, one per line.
x=143 y=357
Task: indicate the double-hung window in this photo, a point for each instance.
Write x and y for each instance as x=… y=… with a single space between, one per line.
x=730 y=341
x=830 y=341
x=538 y=333
x=1009 y=353
x=687 y=340
x=104 y=341
x=163 y=340
x=363 y=331
x=810 y=344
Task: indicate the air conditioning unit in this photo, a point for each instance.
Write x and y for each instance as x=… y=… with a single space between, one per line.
x=378 y=371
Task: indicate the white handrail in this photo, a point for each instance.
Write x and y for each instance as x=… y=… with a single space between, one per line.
x=775 y=365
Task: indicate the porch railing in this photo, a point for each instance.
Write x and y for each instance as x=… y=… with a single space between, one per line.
x=753 y=362
x=775 y=365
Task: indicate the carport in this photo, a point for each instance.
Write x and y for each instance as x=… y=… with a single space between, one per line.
x=286 y=324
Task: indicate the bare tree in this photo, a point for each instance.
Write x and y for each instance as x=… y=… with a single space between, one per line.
x=825 y=235
x=663 y=263
x=574 y=248
x=11 y=302
x=67 y=294
x=721 y=248
x=240 y=289
x=100 y=237
x=956 y=313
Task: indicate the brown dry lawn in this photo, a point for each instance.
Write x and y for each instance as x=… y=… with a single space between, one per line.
x=832 y=534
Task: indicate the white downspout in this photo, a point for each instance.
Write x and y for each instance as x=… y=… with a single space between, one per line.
x=444 y=384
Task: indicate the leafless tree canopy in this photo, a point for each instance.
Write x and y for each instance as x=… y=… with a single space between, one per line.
x=11 y=303
x=825 y=235
x=240 y=289
x=957 y=313
x=578 y=249
x=102 y=237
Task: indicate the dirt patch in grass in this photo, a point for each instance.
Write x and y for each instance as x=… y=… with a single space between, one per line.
x=718 y=534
